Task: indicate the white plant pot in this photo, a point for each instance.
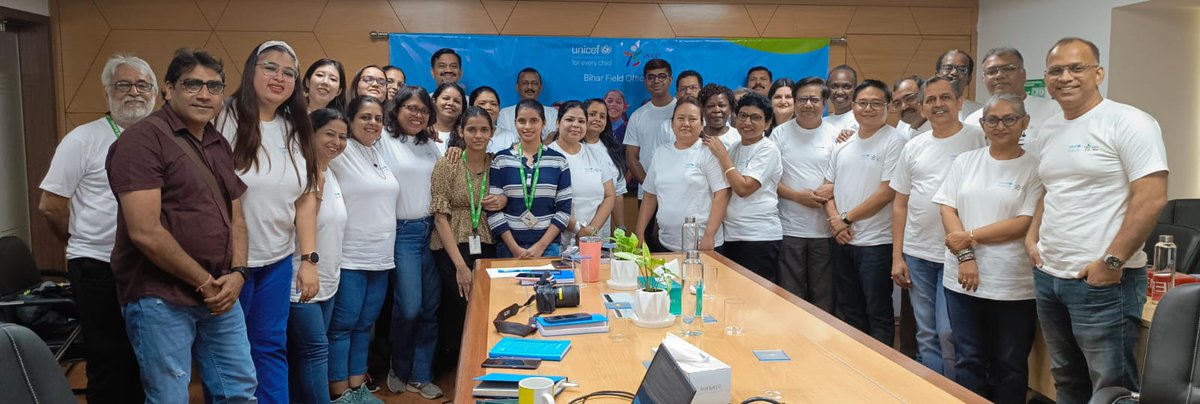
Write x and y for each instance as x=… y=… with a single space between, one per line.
x=653 y=309
x=623 y=275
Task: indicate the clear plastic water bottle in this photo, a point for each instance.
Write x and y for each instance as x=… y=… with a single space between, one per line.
x=692 y=305
x=1164 y=266
x=690 y=236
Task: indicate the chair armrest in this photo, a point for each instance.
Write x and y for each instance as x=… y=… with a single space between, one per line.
x=1112 y=394
x=58 y=273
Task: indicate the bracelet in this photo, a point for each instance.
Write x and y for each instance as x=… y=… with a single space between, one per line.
x=206 y=282
x=727 y=170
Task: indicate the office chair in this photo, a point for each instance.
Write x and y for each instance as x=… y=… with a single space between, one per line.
x=1187 y=245
x=28 y=373
x=1185 y=212
x=1171 y=355
x=19 y=279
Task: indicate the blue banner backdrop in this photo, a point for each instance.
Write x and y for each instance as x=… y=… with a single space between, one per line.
x=587 y=67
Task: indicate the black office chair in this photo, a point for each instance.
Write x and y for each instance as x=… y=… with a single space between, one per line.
x=20 y=279
x=1187 y=246
x=1185 y=212
x=28 y=373
x=1172 y=354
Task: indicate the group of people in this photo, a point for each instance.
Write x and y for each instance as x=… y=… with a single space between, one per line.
x=260 y=235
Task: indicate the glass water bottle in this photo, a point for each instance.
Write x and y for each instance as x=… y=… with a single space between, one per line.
x=1164 y=266
x=691 y=312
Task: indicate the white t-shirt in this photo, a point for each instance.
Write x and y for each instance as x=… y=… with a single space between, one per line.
x=77 y=172
x=1086 y=165
x=919 y=173
x=272 y=187
x=501 y=140
x=842 y=121
x=756 y=217
x=909 y=132
x=968 y=107
x=856 y=169
x=805 y=155
x=730 y=137
x=331 y=229
x=684 y=181
x=371 y=192
x=507 y=121
x=619 y=183
x=1038 y=109
x=648 y=128
x=412 y=167
x=985 y=191
x=442 y=142
x=589 y=172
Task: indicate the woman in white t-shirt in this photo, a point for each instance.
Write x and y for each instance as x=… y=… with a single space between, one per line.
x=783 y=102
x=308 y=322
x=324 y=85
x=448 y=102
x=717 y=103
x=487 y=98
x=271 y=136
x=592 y=175
x=689 y=178
x=987 y=204
x=753 y=167
x=602 y=141
x=370 y=80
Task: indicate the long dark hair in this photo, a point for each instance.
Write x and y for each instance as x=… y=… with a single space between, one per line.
x=324 y=116
x=248 y=139
x=616 y=151
x=456 y=139
x=356 y=105
x=437 y=92
x=339 y=100
x=352 y=90
x=563 y=107
x=391 y=117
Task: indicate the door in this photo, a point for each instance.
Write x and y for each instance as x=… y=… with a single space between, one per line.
x=14 y=197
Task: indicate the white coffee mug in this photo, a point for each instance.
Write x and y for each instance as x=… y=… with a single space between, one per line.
x=535 y=390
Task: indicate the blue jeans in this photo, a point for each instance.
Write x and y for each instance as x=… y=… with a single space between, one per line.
x=935 y=341
x=308 y=351
x=552 y=250
x=416 y=293
x=992 y=339
x=1091 y=332
x=166 y=337
x=266 y=297
x=863 y=289
x=355 y=308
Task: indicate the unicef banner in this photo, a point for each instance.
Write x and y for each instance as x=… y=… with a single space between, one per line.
x=586 y=67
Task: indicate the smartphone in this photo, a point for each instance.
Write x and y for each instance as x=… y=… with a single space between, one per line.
x=529 y=275
x=566 y=318
x=512 y=363
x=561 y=263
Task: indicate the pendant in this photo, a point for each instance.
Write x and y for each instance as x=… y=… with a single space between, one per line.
x=529 y=219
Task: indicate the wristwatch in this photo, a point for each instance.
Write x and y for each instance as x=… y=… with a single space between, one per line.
x=846 y=218
x=245 y=272
x=1113 y=263
x=311 y=257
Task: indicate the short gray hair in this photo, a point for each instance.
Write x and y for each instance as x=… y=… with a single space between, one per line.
x=110 y=68
x=1014 y=99
x=1005 y=50
x=955 y=86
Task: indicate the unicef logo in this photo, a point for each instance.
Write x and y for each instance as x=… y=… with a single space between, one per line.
x=605 y=49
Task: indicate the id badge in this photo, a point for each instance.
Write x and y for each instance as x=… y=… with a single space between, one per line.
x=476 y=249
x=529 y=219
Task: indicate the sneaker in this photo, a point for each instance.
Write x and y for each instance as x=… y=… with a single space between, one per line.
x=367 y=397
x=370 y=383
x=350 y=396
x=394 y=384
x=428 y=390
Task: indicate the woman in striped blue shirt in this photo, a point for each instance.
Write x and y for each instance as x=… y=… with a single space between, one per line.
x=538 y=186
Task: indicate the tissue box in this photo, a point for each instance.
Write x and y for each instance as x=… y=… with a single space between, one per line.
x=712 y=379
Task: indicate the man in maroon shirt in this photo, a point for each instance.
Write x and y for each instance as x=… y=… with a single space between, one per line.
x=180 y=253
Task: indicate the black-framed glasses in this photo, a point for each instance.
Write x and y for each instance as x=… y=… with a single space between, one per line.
x=1075 y=69
x=658 y=77
x=960 y=69
x=215 y=87
x=998 y=70
x=755 y=118
x=869 y=104
x=272 y=70
x=125 y=85
x=1009 y=120
x=415 y=110
x=809 y=100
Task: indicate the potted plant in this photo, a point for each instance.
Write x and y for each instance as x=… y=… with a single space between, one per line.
x=652 y=301
x=623 y=265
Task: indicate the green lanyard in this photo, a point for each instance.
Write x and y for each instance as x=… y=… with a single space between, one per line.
x=115 y=128
x=476 y=207
x=527 y=191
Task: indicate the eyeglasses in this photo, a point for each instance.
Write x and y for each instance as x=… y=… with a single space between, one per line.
x=272 y=70
x=996 y=71
x=809 y=100
x=869 y=104
x=1075 y=68
x=947 y=69
x=908 y=99
x=991 y=121
x=382 y=82
x=756 y=118
x=658 y=77
x=124 y=86
x=193 y=86
x=415 y=110
x=692 y=87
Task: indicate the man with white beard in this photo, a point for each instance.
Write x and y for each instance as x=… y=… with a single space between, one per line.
x=82 y=212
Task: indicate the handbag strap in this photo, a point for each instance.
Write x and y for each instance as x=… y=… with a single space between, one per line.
x=202 y=167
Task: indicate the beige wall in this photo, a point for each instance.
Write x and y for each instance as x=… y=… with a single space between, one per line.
x=1155 y=62
x=886 y=39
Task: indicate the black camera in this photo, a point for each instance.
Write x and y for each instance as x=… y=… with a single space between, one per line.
x=551 y=296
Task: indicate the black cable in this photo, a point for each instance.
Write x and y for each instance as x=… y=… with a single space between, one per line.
x=759 y=400
x=604 y=393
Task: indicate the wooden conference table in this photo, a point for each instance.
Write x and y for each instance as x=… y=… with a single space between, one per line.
x=831 y=362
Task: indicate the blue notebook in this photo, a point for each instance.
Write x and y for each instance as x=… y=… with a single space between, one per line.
x=544 y=349
x=596 y=318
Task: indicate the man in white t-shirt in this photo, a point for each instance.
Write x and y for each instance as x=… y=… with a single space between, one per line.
x=1004 y=73
x=529 y=86
x=906 y=101
x=82 y=211
x=446 y=67
x=805 y=144
x=842 y=81
x=1104 y=168
x=918 y=249
x=649 y=127
x=759 y=79
x=959 y=66
x=860 y=215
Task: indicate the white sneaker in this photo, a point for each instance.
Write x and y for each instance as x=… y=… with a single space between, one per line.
x=428 y=390
x=394 y=384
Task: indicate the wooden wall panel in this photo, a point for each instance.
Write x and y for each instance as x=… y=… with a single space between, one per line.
x=886 y=38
